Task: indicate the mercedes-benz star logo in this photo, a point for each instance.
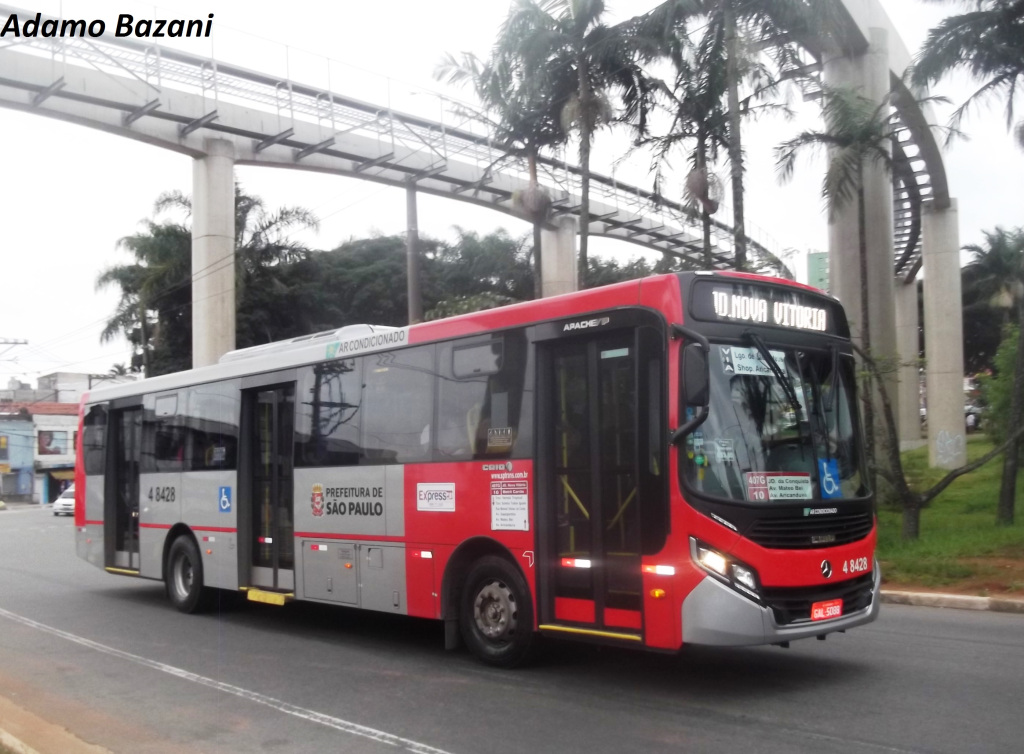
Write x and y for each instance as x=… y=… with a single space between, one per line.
x=826 y=569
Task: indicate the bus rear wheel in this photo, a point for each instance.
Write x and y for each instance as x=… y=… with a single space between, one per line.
x=496 y=614
x=184 y=577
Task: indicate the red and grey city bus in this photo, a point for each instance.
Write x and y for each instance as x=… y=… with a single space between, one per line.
x=666 y=461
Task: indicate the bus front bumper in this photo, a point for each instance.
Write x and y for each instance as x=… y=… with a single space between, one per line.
x=716 y=615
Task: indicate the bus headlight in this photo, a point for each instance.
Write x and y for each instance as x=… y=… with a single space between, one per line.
x=738 y=575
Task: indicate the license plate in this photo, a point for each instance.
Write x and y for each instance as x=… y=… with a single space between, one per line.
x=826 y=610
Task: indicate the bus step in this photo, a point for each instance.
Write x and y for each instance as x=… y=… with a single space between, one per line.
x=269 y=598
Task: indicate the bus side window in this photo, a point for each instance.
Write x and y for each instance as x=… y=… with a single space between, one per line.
x=465 y=372
x=95 y=442
x=328 y=414
x=163 y=434
x=480 y=397
x=212 y=422
x=399 y=403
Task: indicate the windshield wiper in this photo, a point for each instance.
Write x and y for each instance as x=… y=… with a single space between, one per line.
x=781 y=376
x=830 y=399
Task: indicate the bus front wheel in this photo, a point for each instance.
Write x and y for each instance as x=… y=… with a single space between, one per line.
x=184 y=576
x=496 y=614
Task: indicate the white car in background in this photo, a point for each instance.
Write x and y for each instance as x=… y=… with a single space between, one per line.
x=65 y=504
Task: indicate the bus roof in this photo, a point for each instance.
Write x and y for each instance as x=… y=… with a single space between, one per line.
x=358 y=339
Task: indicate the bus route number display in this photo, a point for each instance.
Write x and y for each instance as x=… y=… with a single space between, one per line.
x=752 y=308
x=763 y=486
x=764 y=305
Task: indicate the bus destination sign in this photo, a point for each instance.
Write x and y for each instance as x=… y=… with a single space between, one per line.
x=763 y=305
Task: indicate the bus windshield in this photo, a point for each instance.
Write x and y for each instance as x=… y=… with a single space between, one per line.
x=779 y=432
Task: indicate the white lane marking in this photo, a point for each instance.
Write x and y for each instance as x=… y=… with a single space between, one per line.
x=289 y=709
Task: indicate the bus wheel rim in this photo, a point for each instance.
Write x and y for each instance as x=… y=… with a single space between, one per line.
x=494 y=611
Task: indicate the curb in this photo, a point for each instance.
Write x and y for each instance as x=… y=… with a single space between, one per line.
x=956 y=601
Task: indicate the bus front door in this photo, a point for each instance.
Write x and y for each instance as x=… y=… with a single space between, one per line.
x=267 y=469
x=121 y=514
x=589 y=506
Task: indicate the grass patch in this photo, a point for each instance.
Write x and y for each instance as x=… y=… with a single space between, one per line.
x=960 y=544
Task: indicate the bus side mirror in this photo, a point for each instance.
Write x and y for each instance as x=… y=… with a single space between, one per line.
x=696 y=377
x=696 y=381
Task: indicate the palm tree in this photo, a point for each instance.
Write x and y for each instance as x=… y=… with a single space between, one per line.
x=988 y=42
x=775 y=27
x=154 y=311
x=522 y=120
x=698 y=117
x=567 y=41
x=857 y=134
x=997 y=274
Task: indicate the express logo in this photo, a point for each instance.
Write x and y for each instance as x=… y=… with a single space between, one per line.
x=318 y=500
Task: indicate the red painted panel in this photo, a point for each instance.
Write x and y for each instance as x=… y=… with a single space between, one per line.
x=555 y=307
x=432 y=522
x=623 y=618
x=803 y=567
x=80 y=465
x=421 y=597
x=580 y=611
x=762 y=279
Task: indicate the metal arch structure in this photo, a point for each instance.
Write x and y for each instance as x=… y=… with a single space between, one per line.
x=176 y=100
x=919 y=173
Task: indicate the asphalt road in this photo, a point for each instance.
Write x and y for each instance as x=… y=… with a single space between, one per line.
x=108 y=658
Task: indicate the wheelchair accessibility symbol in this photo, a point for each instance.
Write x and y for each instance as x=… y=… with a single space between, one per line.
x=224 y=499
x=828 y=474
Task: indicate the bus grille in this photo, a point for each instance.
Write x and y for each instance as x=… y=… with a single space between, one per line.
x=793 y=604
x=805 y=533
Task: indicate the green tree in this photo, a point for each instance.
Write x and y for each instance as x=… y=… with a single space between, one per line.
x=997 y=271
x=988 y=42
x=568 y=41
x=696 y=103
x=737 y=33
x=523 y=121
x=857 y=134
x=154 y=312
x=155 y=309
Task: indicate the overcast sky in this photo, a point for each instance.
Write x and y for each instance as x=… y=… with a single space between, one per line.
x=68 y=193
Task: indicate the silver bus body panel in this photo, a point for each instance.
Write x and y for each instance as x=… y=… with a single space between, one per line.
x=89 y=544
x=715 y=614
x=369 y=575
x=354 y=500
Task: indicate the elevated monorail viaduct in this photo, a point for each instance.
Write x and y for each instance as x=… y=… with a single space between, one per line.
x=912 y=225
x=222 y=115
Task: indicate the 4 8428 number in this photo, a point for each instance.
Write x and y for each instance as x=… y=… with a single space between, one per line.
x=161 y=494
x=856 y=565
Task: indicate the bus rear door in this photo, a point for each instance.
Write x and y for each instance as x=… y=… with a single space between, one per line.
x=121 y=496
x=265 y=515
x=589 y=512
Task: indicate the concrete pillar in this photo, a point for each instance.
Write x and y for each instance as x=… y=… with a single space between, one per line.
x=213 y=253
x=558 y=257
x=943 y=330
x=412 y=256
x=908 y=342
x=868 y=73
